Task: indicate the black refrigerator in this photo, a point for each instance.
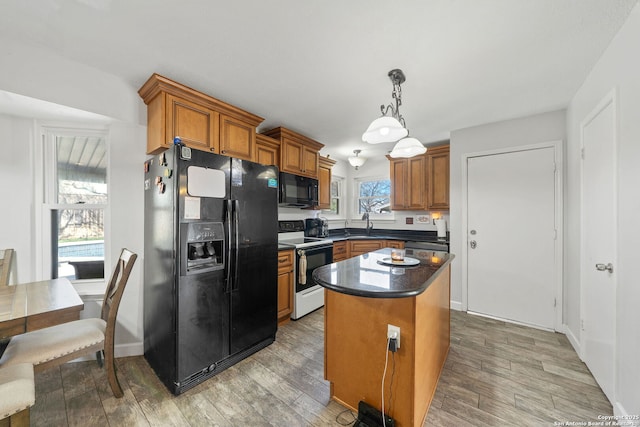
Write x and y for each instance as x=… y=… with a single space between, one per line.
x=210 y=263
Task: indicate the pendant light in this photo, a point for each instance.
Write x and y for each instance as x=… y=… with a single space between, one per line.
x=356 y=161
x=408 y=147
x=389 y=128
x=393 y=128
x=384 y=129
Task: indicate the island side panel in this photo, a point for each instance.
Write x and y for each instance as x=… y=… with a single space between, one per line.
x=432 y=341
x=355 y=341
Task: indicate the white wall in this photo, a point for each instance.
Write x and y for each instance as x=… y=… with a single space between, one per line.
x=128 y=143
x=535 y=129
x=16 y=192
x=39 y=73
x=619 y=69
x=44 y=75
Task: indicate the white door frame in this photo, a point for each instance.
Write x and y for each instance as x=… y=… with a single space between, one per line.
x=558 y=158
x=610 y=98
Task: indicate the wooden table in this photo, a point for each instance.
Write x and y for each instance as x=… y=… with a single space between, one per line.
x=30 y=306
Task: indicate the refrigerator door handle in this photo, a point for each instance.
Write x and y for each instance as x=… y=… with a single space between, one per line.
x=236 y=223
x=228 y=278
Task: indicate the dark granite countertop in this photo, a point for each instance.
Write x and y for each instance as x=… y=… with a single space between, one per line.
x=405 y=235
x=365 y=276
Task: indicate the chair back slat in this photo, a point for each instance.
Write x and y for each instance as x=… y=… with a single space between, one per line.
x=5 y=266
x=116 y=286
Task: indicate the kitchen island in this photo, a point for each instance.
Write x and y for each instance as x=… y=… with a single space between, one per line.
x=363 y=295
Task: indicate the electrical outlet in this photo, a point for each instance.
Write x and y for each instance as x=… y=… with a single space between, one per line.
x=394 y=332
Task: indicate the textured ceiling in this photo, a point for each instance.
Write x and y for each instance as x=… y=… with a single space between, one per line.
x=320 y=68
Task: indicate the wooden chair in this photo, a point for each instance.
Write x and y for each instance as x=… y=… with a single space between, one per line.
x=17 y=388
x=5 y=266
x=55 y=345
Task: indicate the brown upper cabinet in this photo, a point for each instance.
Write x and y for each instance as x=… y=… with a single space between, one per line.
x=421 y=182
x=298 y=153
x=197 y=126
x=201 y=121
x=408 y=177
x=267 y=150
x=438 y=177
x=324 y=182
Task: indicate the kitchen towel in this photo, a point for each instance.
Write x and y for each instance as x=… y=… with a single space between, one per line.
x=302 y=268
x=441 y=226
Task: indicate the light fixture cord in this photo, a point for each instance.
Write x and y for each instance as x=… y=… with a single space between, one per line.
x=395 y=111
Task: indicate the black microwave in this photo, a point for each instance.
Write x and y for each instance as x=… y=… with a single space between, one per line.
x=297 y=191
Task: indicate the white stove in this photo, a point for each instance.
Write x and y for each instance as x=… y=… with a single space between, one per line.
x=304 y=242
x=310 y=253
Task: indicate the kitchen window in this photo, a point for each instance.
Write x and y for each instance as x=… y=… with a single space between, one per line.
x=373 y=196
x=75 y=199
x=336 y=203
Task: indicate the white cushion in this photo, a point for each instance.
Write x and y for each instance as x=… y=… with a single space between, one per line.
x=51 y=343
x=16 y=388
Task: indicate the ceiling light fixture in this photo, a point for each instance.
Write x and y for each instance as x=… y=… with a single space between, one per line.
x=393 y=128
x=356 y=161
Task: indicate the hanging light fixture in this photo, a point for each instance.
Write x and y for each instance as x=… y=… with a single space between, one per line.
x=408 y=147
x=393 y=128
x=356 y=161
x=389 y=128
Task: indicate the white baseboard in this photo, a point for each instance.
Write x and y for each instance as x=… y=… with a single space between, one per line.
x=126 y=350
x=455 y=305
x=625 y=418
x=575 y=342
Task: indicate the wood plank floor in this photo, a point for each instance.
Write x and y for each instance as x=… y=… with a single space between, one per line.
x=497 y=374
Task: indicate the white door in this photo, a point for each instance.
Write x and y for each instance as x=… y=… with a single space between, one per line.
x=599 y=245
x=511 y=248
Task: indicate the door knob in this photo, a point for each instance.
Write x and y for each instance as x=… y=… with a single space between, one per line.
x=473 y=244
x=605 y=267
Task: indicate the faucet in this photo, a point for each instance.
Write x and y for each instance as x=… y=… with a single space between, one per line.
x=346 y=232
x=369 y=226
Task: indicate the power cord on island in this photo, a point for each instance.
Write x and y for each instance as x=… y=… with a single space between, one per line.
x=391 y=347
x=346 y=423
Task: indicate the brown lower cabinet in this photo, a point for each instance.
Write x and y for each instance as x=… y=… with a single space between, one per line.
x=285 y=285
x=350 y=248
x=359 y=247
x=340 y=251
x=397 y=244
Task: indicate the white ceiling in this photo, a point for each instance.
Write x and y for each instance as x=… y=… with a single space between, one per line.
x=320 y=67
